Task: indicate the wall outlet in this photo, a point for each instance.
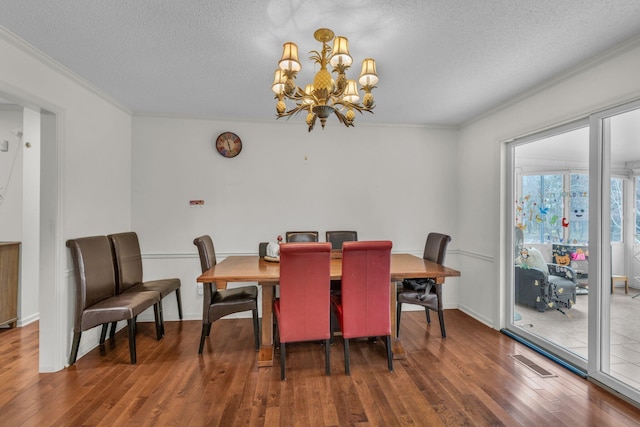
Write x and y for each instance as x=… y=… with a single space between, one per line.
x=199 y=287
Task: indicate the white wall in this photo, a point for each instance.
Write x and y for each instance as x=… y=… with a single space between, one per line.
x=604 y=82
x=396 y=183
x=94 y=146
x=11 y=174
x=30 y=248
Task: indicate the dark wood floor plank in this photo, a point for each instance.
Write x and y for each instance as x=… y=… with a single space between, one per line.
x=467 y=378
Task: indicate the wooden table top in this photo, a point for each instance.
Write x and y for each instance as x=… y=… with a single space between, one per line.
x=255 y=269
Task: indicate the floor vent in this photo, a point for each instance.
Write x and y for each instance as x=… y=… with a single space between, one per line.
x=533 y=366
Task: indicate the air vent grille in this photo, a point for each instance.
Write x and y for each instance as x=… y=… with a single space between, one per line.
x=533 y=366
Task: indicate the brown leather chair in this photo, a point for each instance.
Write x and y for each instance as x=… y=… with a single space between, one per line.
x=337 y=238
x=129 y=277
x=219 y=303
x=96 y=300
x=302 y=311
x=435 y=250
x=301 y=236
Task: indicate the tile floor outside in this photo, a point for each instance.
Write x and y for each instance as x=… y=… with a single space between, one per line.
x=569 y=329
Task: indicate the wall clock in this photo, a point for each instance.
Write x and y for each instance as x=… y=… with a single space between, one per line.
x=228 y=144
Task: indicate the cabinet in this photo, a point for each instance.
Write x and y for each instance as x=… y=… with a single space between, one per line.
x=9 y=271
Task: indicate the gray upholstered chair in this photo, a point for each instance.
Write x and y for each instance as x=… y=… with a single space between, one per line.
x=435 y=250
x=97 y=302
x=219 y=303
x=301 y=236
x=544 y=286
x=129 y=275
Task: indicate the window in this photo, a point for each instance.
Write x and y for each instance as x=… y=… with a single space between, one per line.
x=579 y=209
x=541 y=210
x=616 y=210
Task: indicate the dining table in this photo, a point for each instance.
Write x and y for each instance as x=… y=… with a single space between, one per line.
x=253 y=268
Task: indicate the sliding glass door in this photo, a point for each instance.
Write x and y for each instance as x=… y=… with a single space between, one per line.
x=615 y=353
x=574 y=219
x=550 y=284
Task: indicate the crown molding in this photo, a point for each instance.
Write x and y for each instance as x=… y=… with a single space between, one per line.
x=180 y=116
x=46 y=60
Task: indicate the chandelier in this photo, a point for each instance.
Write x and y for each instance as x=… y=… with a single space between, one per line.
x=324 y=96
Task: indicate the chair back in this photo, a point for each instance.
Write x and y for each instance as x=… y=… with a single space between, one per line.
x=366 y=282
x=337 y=238
x=206 y=251
x=128 y=260
x=93 y=271
x=301 y=236
x=436 y=247
x=305 y=273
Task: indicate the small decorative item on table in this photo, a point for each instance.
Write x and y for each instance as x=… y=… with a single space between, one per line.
x=273 y=252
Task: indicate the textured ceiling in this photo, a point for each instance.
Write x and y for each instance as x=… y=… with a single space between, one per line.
x=440 y=62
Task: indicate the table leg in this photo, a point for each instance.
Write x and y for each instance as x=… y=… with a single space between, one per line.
x=265 y=355
x=396 y=345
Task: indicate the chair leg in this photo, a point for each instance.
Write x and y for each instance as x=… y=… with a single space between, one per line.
x=441 y=318
x=347 y=368
x=132 y=340
x=333 y=322
x=112 y=333
x=103 y=333
x=179 y=300
x=156 y=316
x=256 y=328
x=428 y=315
x=327 y=356
x=398 y=314
x=161 y=315
x=282 y=357
x=389 y=354
x=74 y=347
x=206 y=328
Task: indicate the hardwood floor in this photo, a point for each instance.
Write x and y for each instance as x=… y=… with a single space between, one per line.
x=466 y=379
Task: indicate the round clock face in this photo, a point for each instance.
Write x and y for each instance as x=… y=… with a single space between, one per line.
x=228 y=144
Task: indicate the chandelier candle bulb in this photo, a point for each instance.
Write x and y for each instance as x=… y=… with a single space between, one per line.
x=326 y=95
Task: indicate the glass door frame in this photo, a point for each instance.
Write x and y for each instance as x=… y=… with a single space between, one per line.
x=559 y=353
x=600 y=249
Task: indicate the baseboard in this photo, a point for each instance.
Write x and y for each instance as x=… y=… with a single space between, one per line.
x=29 y=319
x=477 y=316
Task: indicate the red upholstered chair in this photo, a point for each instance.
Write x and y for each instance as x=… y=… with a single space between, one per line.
x=435 y=250
x=302 y=311
x=363 y=308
